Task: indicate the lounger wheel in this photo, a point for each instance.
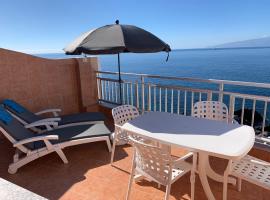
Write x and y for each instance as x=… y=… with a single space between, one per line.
x=12 y=170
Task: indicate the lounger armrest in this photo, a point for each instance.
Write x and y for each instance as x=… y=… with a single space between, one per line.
x=45 y=138
x=54 y=111
x=47 y=124
x=50 y=119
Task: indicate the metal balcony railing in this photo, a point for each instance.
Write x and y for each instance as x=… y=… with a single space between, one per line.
x=247 y=101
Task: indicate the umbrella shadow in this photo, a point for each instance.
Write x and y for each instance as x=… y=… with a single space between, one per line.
x=176 y=124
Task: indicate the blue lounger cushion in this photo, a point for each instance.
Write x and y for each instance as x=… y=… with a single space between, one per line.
x=14 y=106
x=82 y=117
x=30 y=117
x=74 y=133
x=5 y=117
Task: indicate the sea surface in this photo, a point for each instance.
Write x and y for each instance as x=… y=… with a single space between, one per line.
x=230 y=64
x=252 y=65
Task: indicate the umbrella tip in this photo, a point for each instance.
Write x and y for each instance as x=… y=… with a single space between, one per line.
x=117 y=21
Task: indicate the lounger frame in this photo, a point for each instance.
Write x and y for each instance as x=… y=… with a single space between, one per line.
x=30 y=155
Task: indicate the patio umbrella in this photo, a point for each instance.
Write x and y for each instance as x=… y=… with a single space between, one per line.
x=115 y=39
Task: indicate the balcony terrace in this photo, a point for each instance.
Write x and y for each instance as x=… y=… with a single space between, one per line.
x=71 y=84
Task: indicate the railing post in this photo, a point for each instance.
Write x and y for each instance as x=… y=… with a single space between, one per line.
x=149 y=97
x=192 y=101
x=131 y=93
x=142 y=83
x=155 y=99
x=98 y=88
x=137 y=95
x=264 y=118
x=209 y=96
x=231 y=109
x=221 y=89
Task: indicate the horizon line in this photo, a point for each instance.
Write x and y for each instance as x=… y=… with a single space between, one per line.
x=178 y=49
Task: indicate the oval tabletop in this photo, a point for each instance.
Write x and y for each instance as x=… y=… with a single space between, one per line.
x=217 y=138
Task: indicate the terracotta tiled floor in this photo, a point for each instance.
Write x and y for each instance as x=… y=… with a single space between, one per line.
x=90 y=176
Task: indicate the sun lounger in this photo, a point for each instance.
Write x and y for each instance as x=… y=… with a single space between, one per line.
x=34 y=145
x=26 y=117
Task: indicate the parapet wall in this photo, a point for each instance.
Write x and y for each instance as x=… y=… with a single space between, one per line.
x=38 y=83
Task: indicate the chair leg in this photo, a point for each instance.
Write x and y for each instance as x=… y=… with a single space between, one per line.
x=109 y=144
x=168 y=191
x=19 y=162
x=131 y=177
x=239 y=184
x=193 y=175
x=61 y=155
x=113 y=150
x=16 y=155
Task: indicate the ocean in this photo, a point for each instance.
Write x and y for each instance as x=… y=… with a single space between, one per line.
x=252 y=65
x=230 y=64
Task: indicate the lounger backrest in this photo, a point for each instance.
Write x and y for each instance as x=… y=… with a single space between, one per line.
x=15 y=129
x=20 y=111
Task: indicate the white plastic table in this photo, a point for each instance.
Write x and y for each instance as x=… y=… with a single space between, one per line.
x=206 y=137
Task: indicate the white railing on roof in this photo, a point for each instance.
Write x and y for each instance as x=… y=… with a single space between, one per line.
x=178 y=94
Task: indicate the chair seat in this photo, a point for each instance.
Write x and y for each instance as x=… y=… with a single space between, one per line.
x=253 y=170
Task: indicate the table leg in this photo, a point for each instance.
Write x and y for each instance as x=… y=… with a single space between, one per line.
x=217 y=177
x=225 y=182
x=202 y=167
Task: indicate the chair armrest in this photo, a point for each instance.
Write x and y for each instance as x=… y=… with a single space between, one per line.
x=183 y=158
x=34 y=139
x=54 y=111
x=47 y=124
x=263 y=139
x=234 y=121
x=263 y=163
x=117 y=127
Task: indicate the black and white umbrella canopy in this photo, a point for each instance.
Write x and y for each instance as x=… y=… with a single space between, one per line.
x=116 y=38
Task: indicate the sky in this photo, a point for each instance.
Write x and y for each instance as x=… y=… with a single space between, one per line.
x=46 y=26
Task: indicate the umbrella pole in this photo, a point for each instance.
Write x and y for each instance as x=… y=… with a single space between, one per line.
x=119 y=79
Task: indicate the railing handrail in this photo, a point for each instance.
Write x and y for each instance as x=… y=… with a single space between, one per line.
x=216 y=81
x=235 y=94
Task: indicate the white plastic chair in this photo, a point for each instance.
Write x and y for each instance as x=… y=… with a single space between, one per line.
x=213 y=110
x=253 y=170
x=121 y=115
x=248 y=168
x=153 y=161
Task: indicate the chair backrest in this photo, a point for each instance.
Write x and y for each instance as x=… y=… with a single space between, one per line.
x=152 y=160
x=13 y=130
x=124 y=113
x=213 y=110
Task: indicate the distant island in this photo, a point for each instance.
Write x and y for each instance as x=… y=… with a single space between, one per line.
x=252 y=43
